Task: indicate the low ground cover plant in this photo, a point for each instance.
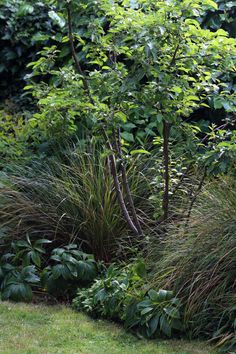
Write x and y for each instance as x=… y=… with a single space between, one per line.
x=122 y=294
x=26 y=267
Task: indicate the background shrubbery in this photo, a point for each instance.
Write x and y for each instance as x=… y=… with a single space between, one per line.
x=117 y=185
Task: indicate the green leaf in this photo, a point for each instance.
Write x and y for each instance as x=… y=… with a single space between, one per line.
x=127 y=136
x=176 y=89
x=140 y=151
x=146 y=310
x=121 y=116
x=25 y=9
x=153 y=294
x=57 y=18
x=172 y=312
x=153 y=324
x=36 y=259
x=164 y=295
x=165 y=326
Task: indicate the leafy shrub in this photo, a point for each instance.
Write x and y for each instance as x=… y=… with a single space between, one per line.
x=29 y=252
x=70 y=269
x=25 y=27
x=157 y=314
x=106 y=297
x=22 y=267
x=198 y=261
x=120 y=295
x=16 y=281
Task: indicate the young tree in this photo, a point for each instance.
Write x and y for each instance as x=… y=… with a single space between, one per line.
x=139 y=59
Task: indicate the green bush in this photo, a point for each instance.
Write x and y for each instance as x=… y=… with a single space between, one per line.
x=157 y=314
x=16 y=281
x=198 y=262
x=69 y=269
x=120 y=294
x=26 y=265
x=20 y=266
x=25 y=27
x=107 y=296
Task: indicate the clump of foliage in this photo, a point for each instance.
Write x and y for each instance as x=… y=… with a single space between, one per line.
x=20 y=266
x=70 y=268
x=28 y=265
x=120 y=294
x=16 y=282
x=25 y=27
x=198 y=262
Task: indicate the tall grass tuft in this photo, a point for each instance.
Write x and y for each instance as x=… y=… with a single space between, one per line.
x=198 y=262
x=72 y=199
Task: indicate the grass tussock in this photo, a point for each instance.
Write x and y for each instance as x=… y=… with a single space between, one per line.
x=72 y=200
x=198 y=262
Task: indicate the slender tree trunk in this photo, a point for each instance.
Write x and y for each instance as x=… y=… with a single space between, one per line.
x=120 y=195
x=126 y=182
x=165 y=201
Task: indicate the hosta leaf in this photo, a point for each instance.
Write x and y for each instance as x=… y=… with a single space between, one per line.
x=164 y=295
x=154 y=296
x=57 y=271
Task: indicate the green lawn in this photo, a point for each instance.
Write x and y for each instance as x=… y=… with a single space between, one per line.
x=41 y=329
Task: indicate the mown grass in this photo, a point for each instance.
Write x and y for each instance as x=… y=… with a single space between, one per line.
x=32 y=329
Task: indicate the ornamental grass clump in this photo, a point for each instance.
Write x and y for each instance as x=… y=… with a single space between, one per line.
x=198 y=262
x=72 y=199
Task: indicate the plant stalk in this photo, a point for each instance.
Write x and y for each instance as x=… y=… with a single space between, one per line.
x=165 y=201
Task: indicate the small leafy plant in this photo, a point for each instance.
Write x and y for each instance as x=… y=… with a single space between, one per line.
x=106 y=297
x=157 y=314
x=16 y=282
x=70 y=269
x=30 y=252
x=120 y=295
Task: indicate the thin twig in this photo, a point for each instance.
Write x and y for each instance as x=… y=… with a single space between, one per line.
x=194 y=198
x=165 y=202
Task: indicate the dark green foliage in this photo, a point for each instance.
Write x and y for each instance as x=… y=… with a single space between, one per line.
x=69 y=269
x=16 y=281
x=120 y=295
x=220 y=154
x=25 y=27
x=157 y=314
x=30 y=252
x=107 y=296
x=222 y=17
x=22 y=266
